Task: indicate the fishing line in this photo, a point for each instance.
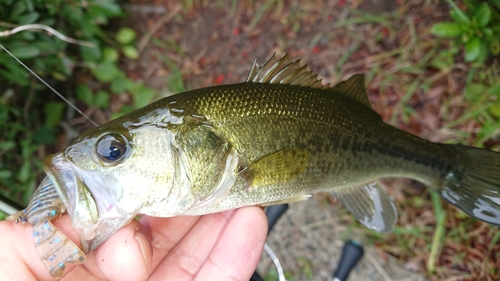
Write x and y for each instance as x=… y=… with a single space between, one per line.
x=48 y=86
x=276 y=261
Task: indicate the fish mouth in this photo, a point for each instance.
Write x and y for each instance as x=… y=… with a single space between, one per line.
x=95 y=216
x=79 y=203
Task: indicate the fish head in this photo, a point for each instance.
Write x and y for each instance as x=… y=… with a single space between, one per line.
x=112 y=173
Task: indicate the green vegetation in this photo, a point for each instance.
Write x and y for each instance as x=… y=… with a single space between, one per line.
x=30 y=116
x=478 y=29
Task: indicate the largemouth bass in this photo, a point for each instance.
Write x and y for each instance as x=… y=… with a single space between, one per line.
x=276 y=138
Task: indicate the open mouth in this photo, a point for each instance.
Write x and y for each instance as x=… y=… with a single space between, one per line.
x=77 y=198
x=95 y=220
x=80 y=205
x=58 y=169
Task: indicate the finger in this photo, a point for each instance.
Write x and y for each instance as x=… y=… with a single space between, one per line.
x=185 y=260
x=126 y=255
x=236 y=254
x=17 y=250
x=165 y=234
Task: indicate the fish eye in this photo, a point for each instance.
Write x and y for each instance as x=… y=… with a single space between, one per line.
x=111 y=148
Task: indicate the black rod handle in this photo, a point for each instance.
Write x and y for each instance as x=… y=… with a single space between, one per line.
x=351 y=254
x=273 y=214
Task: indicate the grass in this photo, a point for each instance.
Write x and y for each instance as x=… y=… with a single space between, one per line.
x=437 y=238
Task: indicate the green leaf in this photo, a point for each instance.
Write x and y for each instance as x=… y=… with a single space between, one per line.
x=5 y=174
x=28 y=36
x=84 y=94
x=483 y=14
x=15 y=74
x=109 y=55
x=494 y=90
x=53 y=113
x=105 y=72
x=29 y=5
x=119 y=85
x=443 y=59
x=495 y=110
x=24 y=172
x=28 y=18
x=130 y=52
x=25 y=52
x=143 y=96
x=488 y=33
x=7 y=145
x=446 y=29
x=457 y=14
x=484 y=52
x=17 y=10
x=90 y=54
x=125 y=35
x=472 y=49
x=110 y=8
x=101 y=99
x=59 y=76
x=475 y=91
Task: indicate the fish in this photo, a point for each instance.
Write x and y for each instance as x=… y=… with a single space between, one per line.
x=276 y=138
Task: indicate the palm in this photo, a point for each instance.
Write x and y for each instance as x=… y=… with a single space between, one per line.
x=222 y=246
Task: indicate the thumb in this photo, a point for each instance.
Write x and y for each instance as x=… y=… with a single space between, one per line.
x=127 y=255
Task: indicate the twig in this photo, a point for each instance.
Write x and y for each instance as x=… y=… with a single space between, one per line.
x=49 y=29
x=378 y=267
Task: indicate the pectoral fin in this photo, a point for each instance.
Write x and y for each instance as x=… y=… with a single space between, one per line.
x=279 y=167
x=55 y=249
x=371 y=205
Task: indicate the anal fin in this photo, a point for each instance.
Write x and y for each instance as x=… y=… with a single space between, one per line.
x=370 y=204
x=287 y=200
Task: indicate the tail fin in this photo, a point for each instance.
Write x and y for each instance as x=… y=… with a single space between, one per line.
x=476 y=188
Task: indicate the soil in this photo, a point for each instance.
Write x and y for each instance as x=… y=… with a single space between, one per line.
x=308 y=241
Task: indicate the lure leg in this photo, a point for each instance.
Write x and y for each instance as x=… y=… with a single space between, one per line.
x=53 y=247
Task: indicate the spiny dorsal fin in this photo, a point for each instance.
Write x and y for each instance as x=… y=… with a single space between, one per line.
x=284 y=71
x=354 y=87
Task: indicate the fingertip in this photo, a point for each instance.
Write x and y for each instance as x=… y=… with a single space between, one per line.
x=236 y=254
x=145 y=247
x=126 y=255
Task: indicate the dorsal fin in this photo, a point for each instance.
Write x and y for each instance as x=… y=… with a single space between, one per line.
x=354 y=87
x=285 y=71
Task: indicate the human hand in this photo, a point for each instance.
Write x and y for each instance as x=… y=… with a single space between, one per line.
x=222 y=246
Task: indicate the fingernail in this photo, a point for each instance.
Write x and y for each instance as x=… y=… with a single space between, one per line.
x=146 y=250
